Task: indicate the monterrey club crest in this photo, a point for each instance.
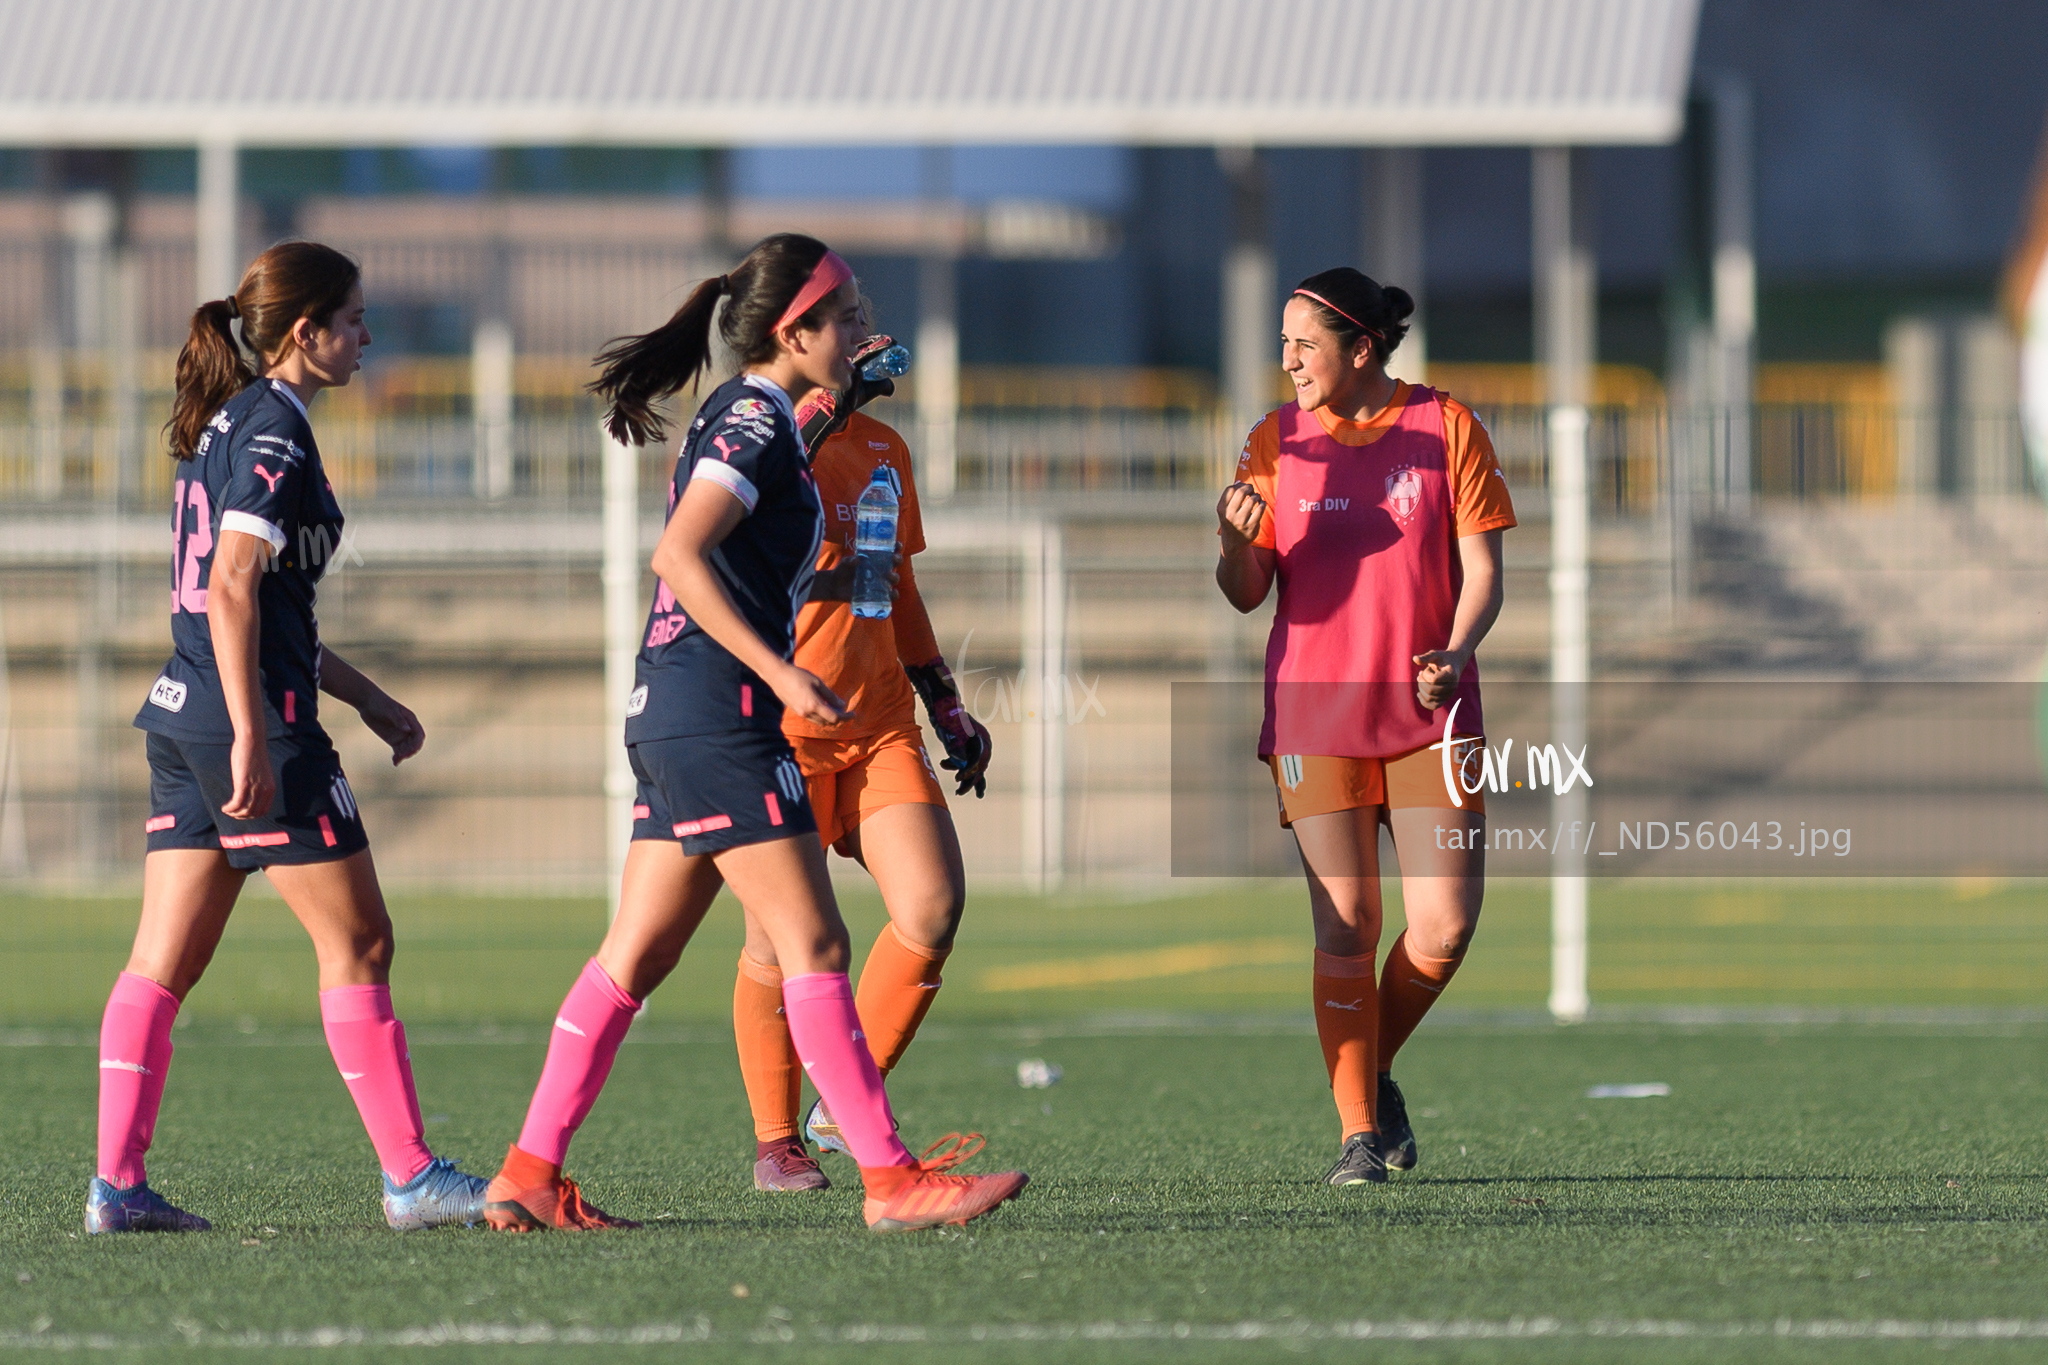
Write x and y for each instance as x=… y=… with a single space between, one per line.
x=1404 y=492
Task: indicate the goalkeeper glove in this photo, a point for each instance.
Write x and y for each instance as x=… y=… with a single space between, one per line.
x=967 y=743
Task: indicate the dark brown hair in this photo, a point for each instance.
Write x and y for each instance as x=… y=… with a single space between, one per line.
x=290 y=281
x=1352 y=304
x=640 y=371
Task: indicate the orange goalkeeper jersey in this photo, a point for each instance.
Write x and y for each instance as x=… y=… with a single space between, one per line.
x=862 y=660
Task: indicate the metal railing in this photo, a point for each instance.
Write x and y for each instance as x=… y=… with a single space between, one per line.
x=1640 y=457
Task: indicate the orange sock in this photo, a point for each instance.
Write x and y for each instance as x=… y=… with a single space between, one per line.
x=898 y=983
x=1348 y=1022
x=768 y=1063
x=524 y=1171
x=882 y=1182
x=1408 y=987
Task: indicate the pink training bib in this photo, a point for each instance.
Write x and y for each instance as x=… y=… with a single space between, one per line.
x=1368 y=578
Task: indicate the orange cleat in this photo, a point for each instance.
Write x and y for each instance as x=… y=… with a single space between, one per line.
x=924 y=1197
x=529 y=1194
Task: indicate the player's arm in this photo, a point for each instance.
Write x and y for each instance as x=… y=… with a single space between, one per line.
x=1478 y=607
x=239 y=562
x=1244 y=568
x=968 y=746
x=387 y=718
x=705 y=515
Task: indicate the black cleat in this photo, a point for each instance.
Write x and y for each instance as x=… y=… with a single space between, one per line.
x=1360 y=1162
x=1397 y=1139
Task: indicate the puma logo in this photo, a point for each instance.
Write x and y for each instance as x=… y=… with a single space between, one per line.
x=723 y=449
x=269 y=477
x=1335 y=1005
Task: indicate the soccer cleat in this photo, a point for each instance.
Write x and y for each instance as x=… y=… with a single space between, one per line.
x=931 y=1198
x=552 y=1201
x=789 y=1169
x=819 y=1128
x=438 y=1197
x=136 y=1209
x=1360 y=1163
x=1397 y=1139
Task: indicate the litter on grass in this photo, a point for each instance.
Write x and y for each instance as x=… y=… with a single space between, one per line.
x=1036 y=1073
x=1640 y=1090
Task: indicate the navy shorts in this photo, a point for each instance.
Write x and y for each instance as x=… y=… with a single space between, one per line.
x=716 y=792
x=313 y=818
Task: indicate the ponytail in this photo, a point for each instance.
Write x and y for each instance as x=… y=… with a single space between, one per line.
x=211 y=370
x=291 y=280
x=639 y=371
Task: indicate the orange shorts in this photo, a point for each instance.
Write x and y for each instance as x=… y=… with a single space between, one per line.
x=850 y=779
x=1321 y=784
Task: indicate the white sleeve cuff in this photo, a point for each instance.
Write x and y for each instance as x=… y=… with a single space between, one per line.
x=251 y=525
x=728 y=478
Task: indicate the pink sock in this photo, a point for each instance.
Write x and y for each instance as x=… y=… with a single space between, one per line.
x=135 y=1052
x=368 y=1044
x=592 y=1023
x=833 y=1048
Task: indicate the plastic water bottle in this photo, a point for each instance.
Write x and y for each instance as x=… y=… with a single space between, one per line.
x=892 y=362
x=874 y=542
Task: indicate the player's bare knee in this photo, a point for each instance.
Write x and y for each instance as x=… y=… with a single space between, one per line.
x=931 y=919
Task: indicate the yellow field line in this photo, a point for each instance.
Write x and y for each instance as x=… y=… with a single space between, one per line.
x=1180 y=960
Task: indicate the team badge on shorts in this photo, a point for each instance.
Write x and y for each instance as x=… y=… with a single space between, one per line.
x=790 y=779
x=1404 y=492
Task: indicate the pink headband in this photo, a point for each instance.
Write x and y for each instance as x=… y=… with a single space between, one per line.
x=828 y=274
x=1372 y=332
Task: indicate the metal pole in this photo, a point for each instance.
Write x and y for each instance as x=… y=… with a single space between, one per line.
x=1734 y=278
x=1043 y=697
x=1565 y=296
x=13 y=829
x=1392 y=249
x=1250 y=321
x=938 y=334
x=491 y=381
x=622 y=617
x=217 y=252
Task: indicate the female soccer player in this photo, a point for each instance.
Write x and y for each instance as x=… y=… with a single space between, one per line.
x=1378 y=506
x=721 y=796
x=241 y=773
x=871 y=786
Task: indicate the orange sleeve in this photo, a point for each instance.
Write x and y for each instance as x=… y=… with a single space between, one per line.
x=1479 y=490
x=916 y=641
x=1258 y=466
x=909 y=518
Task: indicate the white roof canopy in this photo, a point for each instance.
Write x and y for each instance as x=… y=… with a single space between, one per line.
x=754 y=72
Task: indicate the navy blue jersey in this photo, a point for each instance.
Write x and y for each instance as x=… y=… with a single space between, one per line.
x=744 y=439
x=256 y=470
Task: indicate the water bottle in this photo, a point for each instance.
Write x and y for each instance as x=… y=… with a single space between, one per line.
x=892 y=362
x=874 y=544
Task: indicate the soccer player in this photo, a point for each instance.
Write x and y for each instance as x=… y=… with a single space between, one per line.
x=721 y=796
x=1378 y=507
x=242 y=774
x=871 y=786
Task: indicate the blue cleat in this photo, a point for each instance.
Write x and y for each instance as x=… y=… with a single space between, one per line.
x=820 y=1129
x=136 y=1209
x=438 y=1197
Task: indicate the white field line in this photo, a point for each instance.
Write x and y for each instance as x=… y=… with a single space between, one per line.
x=879 y=1334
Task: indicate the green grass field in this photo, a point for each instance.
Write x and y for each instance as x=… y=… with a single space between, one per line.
x=1869 y=1188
